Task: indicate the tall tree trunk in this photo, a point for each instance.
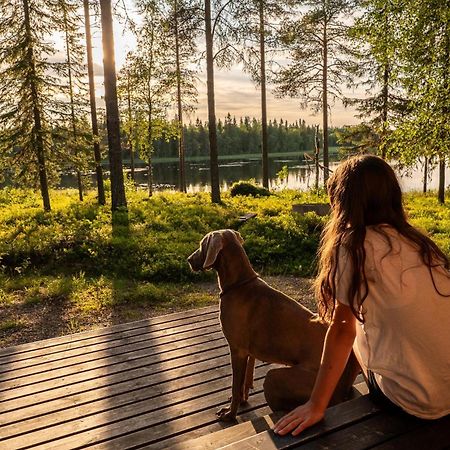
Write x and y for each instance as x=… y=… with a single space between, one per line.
x=264 y=137
x=441 y=191
x=326 y=163
x=384 y=113
x=71 y=99
x=150 y=151
x=150 y=115
x=445 y=104
x=38 y=143
x=118 y=198
x=181 y=148
x=212 y=128
x=425 y=175
x=130 y=120
x=92 y=102
x=316 y=155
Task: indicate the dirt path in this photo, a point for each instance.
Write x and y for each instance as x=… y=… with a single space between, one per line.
x=46 y=319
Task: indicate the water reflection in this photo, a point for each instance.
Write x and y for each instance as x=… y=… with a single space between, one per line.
x=300 y=175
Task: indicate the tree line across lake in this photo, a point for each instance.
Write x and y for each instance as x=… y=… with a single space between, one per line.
x=243 y=136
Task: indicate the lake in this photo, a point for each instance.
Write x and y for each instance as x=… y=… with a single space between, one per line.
x=301 y=175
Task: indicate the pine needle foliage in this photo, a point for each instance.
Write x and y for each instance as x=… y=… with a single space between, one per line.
x=29 y=87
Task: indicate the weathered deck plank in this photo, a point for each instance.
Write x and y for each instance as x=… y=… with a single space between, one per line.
x=145 y=337
x=114 y=419
x=108 y=356
x=167 y=321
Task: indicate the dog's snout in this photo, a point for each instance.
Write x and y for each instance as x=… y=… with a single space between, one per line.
x=193 y=261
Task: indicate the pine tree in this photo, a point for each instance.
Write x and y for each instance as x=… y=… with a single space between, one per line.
x=256 y=22
x=118 y=198
x=318 y=49
x=72 y=73
x=182 y=31
x=212 y=127
x=29 y=91
x=93 y=106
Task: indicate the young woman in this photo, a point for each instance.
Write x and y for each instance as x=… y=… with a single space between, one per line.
x=384 y=288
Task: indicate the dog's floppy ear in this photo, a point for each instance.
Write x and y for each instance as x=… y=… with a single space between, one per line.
x=214 y=246
x=238 y=236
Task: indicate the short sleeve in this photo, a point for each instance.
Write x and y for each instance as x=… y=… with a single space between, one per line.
x=344 y=275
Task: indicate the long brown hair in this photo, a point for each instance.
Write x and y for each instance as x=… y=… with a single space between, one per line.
x=363 y=191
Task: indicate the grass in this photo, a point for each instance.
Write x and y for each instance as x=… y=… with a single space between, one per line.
x=10 y=325
x=80 y=265
x=426 y=213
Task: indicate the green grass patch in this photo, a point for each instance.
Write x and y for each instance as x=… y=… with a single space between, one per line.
x=426 y=213
x=152 y=240
x=10 y=325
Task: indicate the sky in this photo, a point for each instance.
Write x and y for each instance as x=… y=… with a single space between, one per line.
x=234 y=90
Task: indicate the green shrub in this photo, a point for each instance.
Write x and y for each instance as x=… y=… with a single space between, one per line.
x=284 y=244
x=246 y=188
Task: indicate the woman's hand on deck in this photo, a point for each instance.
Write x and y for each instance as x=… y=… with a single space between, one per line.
x=302 y=417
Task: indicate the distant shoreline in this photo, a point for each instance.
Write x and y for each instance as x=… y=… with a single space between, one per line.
x=238 y=157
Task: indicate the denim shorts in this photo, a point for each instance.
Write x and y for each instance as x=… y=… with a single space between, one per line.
x=377 y=395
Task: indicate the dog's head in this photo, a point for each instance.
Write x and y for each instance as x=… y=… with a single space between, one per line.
x=210 y=246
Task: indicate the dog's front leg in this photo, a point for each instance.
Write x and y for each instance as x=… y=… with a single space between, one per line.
x=249 y=372
x=238 y=366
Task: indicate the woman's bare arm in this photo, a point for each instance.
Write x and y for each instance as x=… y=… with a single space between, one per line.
x=336 y=350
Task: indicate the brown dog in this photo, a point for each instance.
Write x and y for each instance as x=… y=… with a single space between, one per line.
x=263 y=323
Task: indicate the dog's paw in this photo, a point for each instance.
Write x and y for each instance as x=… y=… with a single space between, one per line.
x=224 y=414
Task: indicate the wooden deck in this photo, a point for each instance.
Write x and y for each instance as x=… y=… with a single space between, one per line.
x=149 y=383
x=156 y=384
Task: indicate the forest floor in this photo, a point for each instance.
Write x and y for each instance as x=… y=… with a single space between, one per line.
x=24 y=321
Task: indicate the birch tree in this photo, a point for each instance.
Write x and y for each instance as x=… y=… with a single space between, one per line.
x=423 y=40
x=318 y=50
x=376 y=68
x=144 y=77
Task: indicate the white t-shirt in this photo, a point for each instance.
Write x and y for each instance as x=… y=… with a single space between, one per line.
x=405 y=339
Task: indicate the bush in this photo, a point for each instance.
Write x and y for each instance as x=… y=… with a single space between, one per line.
x=284 y=244
x=246 y=188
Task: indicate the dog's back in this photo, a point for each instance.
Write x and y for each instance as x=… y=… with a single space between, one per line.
x=271 y=325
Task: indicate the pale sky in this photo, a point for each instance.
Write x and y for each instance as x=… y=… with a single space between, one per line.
x=234 y=91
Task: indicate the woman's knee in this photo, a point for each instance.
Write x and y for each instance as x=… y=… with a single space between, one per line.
x=271 y=388
x=287 y=387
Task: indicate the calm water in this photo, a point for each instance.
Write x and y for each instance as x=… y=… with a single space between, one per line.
x=301 y=175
